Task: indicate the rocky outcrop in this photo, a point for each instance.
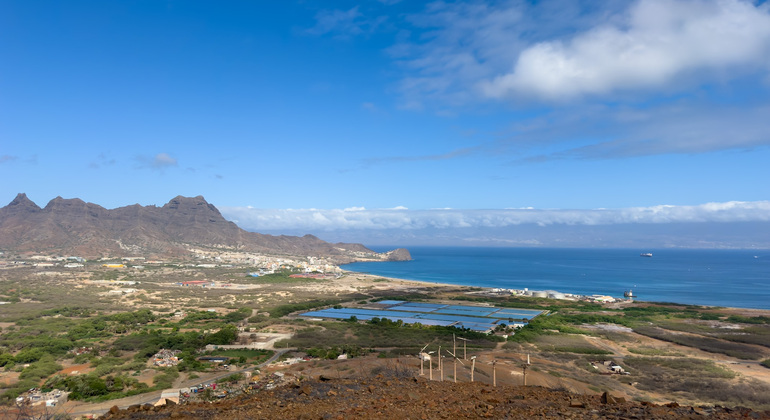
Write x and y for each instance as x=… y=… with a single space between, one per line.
x=75 y=227
x=398 y=254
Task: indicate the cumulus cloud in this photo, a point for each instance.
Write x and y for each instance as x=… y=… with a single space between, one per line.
x=555 y=50
x=359 y=218
x=450 y=47
x=659 y=42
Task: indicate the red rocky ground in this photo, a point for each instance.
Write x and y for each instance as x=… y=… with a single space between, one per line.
x=409 y=398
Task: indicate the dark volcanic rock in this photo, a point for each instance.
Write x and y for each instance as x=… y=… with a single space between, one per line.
x=75 y=227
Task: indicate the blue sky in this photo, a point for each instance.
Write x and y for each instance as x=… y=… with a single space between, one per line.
x=285 y=114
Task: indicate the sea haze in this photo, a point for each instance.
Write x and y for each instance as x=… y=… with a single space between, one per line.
x=730 y=278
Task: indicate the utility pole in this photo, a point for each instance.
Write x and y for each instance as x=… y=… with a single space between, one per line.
x=455 y=360
x=494 y=373
x=524 y=367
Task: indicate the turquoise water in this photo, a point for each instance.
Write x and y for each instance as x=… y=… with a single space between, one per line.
x=733 y=278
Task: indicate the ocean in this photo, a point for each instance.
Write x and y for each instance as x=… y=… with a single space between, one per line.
x=730 y=278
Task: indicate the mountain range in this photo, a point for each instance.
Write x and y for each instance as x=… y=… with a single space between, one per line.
x=75 y=227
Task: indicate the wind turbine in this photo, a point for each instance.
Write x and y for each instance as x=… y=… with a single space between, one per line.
x=465 y=354
x=455 y=363
x=430 y=364
x=422 y=355
x=440 y=366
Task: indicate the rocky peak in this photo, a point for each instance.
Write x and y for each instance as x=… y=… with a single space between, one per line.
x=196 y=204
x=72 y=206
x=22 y=203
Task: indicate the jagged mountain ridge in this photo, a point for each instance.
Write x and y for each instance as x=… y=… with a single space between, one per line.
x=75 y=227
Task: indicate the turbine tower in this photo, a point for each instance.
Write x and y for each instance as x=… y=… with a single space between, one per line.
x=465 y=354
x=455 y=363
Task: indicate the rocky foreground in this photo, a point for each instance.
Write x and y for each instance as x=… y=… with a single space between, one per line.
x=410 y=398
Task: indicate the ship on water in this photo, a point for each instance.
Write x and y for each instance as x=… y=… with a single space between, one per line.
x=629 y=294
x=646 y=254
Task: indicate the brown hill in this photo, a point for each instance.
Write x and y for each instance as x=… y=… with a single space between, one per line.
x=400 y=398
x=74 y=227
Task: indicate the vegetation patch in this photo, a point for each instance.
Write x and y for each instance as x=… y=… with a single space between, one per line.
x=708 y=344
x=243 y=355
x=652 y=351
x=283 y=310
x=697 y=378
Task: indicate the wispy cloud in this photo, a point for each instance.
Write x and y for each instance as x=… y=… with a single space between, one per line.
x=466 y=151
x=7 y=158
x=623 y=132
x=400 y=218
x=344 y=23
x=101 y=161
x=160 y=161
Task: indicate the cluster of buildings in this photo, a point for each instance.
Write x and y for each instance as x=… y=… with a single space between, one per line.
x=35 y=397
x=551 y=294
x=166 y=358
x=206 y=259
x=264 y=262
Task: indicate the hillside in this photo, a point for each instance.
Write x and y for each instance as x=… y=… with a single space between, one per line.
x=75 y=227
x=390 y=398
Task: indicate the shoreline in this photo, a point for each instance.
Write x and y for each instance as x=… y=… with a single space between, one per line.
x=491 y=292
x=687 y=277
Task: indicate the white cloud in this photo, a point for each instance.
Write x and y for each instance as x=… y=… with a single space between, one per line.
x=658 y=43
x=378 y=219
x=159 y=162
x=472 y=51
x=163 y=160
x=451 y=47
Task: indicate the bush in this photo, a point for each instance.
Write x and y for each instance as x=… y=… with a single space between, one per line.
x=29 y=355
x=41 y=369
x=235 y=377
x=238 y=315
